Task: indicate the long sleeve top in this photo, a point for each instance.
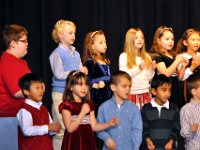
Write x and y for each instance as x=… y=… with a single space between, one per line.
x=189 y=115
x=26 y=121
x=140 y=78
x=128 y=133
x=160 y=124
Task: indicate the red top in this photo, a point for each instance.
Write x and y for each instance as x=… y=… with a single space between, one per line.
x=11 y=70
x=40 y=142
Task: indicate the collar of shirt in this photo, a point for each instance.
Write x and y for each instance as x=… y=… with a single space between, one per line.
x=194 y=102
x=115 y=102
x=154 y=104
x=33 y=103
x=70 y=50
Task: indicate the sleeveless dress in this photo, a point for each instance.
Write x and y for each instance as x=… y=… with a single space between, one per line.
x=82 y=138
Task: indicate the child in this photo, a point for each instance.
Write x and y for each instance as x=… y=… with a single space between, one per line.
x=188 y=46
x=128 y=134
x=78 y=114
x=63 y=59
x=98 y=67
x=34 y=120
x=160 y=117
x=168 y=63
x=12 y=68
x=94 y=58
x=189 y=114
x=137 y=63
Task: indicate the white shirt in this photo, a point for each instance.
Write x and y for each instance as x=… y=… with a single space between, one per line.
x=26 y=122
x=188 y=72
x=140 y=78
x=159 y=107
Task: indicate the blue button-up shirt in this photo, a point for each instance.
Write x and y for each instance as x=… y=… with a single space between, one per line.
x=128 y=133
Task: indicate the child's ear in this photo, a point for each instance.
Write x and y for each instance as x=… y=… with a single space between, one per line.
x=26 y=92
x=185 y=42
x=153 y=91
x=193 y=91
x=113 y=87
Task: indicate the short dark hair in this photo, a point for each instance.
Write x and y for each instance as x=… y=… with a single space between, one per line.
x=159 y=80
x=117 y=75
x=13 y=32
x=26 y=80
x=193 y=82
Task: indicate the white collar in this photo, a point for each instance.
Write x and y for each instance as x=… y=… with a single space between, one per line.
x=70 y=49
x=154 y=104
x=33 y=103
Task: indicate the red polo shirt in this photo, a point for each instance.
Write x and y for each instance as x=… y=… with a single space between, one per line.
x=11 y=70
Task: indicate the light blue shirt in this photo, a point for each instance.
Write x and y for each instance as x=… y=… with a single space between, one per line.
x=128 y=133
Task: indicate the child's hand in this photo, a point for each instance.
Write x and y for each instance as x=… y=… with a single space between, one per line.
x=84 y=70
x=142 y=65
x=169 y=144
x=185 y=62
x=110 y=143
x=54 y=127
x=179 y=58
x=114 y=121
x=153 y=65
x=101 y=84
x=194 y=127
x=95 y=85
x=85 y=109
x=150 y=144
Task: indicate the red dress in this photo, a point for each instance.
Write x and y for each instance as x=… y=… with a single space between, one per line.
x=82 y=138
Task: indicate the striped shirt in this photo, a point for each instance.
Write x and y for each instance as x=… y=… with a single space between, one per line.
x=190 y=114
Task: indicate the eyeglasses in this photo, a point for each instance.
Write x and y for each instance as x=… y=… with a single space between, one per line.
x=24 y=41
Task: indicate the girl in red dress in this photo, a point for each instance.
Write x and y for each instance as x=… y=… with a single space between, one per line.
x=78 y=114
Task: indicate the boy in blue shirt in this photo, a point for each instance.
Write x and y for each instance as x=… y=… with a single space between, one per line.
x=127 y=135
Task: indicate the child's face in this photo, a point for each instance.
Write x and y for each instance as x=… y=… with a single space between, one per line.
x=67 y=37
x=79 y=90
x=196 y=94
x=162 y=93
x=193 y=42
x=36 y=91
x=138 y=40
x=20 y=46
x=166 y=41
x=99 y=44
x=122 y=88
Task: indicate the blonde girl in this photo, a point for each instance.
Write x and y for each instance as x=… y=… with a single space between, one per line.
x=138 y=64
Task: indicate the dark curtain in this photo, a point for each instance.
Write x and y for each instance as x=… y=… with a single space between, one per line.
x=114 y=17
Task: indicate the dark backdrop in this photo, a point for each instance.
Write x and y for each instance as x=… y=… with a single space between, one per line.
x=114 y=17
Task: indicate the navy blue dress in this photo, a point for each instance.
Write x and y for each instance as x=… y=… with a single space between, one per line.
x=99 y=72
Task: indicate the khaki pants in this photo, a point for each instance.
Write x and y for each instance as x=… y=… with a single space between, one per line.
x=57 y=117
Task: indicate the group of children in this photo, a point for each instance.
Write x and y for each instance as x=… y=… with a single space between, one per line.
x=156 y=82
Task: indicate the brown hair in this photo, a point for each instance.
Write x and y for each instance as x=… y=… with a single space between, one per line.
x=13 y=32
x=155 y=48
x=193 y=82
x=74 y=78
x=180 y=47
x=117 y=75
x=89 y=52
